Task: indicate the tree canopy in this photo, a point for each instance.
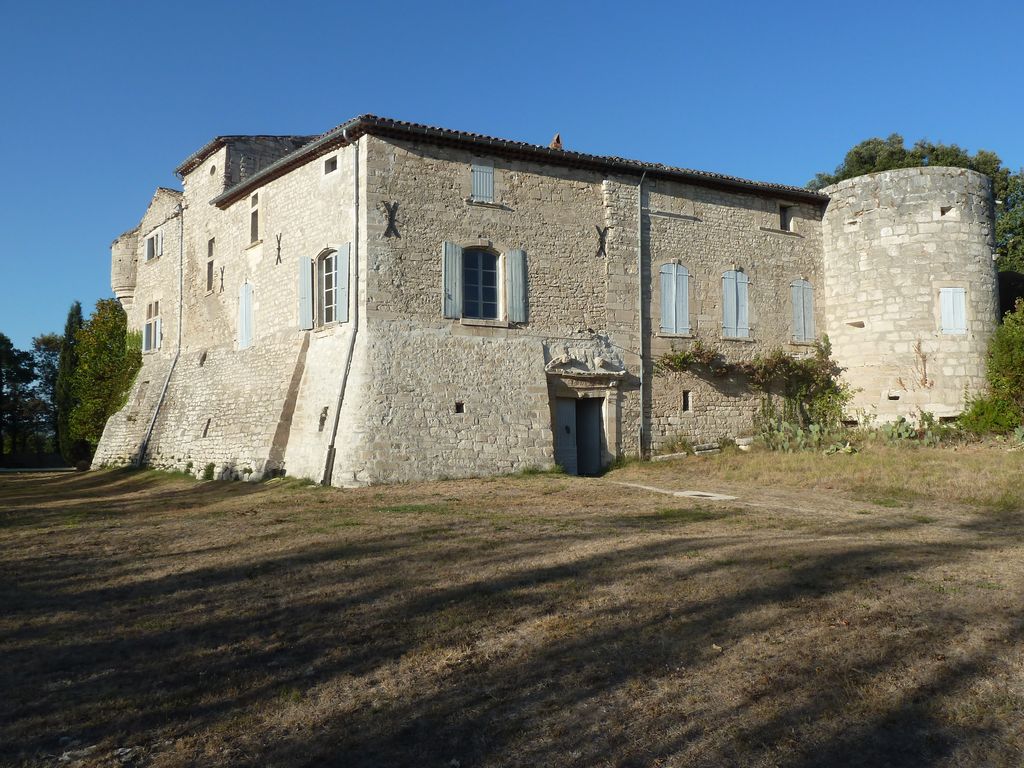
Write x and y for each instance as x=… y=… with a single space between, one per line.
x=877 y=154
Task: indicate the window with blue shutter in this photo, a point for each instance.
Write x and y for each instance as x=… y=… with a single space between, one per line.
x=675 y=299
x=735 y=310
x=953 y=306
x=483 y=183
x=479 y=284
x=515 y=286
x=305 y=294
x=451 y=279
x=342 y=278
x=245 y=316
x=802 y=296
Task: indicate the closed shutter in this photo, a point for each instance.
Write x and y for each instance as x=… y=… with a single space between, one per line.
x=147 y=337
x=808 y=302
x=451 y=278
x=244 y=316
x=668 y=299
x=682 y=299
x=729 y=323
x=953 y=305
x=483 y=183
x=305 y=293
x=343 y=280
x=515 y=283
x=742 y=305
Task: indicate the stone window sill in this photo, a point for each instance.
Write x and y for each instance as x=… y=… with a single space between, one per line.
x=253 y=244
x=795 y=343
x=741 y=339
x=774 y=231
x=667 y=335
x=486 y=204
x=484 y=322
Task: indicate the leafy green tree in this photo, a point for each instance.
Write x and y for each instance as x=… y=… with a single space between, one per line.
x=107 y=364
x=63 y=396
x=16 y=375
x=874 y=155
x=1002 y=409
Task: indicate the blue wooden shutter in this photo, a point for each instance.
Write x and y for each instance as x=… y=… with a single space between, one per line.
x=682 y=299
x=808 y=304
x=483 y=183
x=157 y=334
x=729 y=323
x=953 y=303
x=742 y=305
x=305 y=293
x=343 y=280
x=451 y=279
x=244 y=316
x=668 y=300
x=515 y=285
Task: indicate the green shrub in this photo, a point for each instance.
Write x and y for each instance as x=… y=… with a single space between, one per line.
x=208 y=471
x=991 y=415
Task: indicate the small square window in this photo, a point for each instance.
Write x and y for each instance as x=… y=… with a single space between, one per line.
x=330 y=165
x=460 y=407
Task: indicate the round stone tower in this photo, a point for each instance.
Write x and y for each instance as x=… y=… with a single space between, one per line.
x=910 y=293
x=123 y=266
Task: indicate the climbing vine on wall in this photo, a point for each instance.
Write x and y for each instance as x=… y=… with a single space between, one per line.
x=811 y=385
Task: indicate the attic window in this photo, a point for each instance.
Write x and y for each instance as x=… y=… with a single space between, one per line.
x=330 y=165
x=213 y=169
x=254 y=219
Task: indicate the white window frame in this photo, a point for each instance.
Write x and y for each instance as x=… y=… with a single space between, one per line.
x=155 y=245
x=326 y=295
x=151 y=333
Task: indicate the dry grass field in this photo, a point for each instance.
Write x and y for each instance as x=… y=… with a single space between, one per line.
x=843 y=610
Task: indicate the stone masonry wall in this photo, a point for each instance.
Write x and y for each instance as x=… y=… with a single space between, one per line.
x=892 y=240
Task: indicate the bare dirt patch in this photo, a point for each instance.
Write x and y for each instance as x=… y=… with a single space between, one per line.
x=847 y=610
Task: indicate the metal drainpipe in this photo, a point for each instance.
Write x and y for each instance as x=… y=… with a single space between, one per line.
x=329 y=466
x=640 y=302
x=144 y=446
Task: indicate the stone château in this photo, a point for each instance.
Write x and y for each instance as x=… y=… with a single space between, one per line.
x=391 y=301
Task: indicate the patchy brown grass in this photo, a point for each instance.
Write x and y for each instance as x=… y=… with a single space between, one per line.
x=844 y=610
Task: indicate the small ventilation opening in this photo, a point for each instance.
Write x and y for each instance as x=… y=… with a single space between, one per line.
x=947 y=419
x=856 y=323
x=323 y=419
x=460 y=407
x=202 y=358
x=206 y=429
x=891 y=396
x=686 y=401
x=213 y=169
x=943 y=210
x=851 y=423
x=330 y=165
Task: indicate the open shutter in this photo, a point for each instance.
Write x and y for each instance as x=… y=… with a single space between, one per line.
x=946 y=307
x=668 y=299
x=305 y=293
x=796 y=290
x=451 y=277
x=343 y=280
x=157 y=334
x=483 y=183
x=682 y=299
x=729 y=324
x=160 y=243
x=515 y=282
x=808 y=304
x=742 y=305
x=960 y=307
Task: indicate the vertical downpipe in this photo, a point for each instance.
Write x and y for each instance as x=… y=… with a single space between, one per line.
x=329 y=466
x=640 y=304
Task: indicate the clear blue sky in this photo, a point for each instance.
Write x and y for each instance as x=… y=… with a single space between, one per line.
x=102 y=100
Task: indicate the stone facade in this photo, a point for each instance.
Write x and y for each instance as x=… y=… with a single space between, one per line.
x=392 y=389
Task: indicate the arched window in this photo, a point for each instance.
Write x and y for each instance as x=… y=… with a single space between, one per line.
x=803 y=310
x=735 y=310
x=327 y=288
x=675 y=299
x=479 y=284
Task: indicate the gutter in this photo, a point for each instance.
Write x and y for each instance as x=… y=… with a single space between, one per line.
x=329 y=464
x=140 y=457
